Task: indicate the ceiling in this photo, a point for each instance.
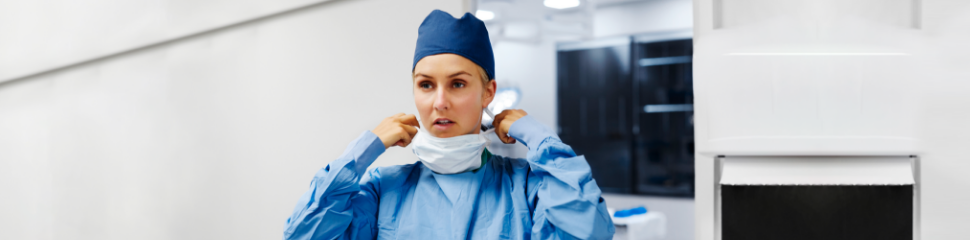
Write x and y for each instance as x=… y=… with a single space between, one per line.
x=530 y=21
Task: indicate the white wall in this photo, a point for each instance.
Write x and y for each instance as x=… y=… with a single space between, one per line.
x=642 y=17
x=211 y=137
x=945 y=114
x=531 y=68
x=41 y=34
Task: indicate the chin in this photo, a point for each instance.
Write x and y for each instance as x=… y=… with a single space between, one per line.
x=448 y=133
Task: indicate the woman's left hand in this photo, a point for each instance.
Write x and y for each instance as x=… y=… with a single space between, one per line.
x=504 y=120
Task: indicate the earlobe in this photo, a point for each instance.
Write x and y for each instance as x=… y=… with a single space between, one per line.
x=487 y=100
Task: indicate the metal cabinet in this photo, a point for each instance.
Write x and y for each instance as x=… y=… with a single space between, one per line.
x=627 y=106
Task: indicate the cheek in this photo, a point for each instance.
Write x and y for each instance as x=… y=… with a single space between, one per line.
x=422 y=102
x=424 y=106
x=469 y=107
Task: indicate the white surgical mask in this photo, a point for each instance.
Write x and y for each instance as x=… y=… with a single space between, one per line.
x=450 y=155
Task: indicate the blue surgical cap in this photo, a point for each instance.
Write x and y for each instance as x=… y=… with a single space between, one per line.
x=466 y=36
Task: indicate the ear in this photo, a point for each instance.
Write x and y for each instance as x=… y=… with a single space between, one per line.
x=489 y=93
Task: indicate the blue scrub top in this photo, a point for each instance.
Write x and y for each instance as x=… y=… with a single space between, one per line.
x=548 y=195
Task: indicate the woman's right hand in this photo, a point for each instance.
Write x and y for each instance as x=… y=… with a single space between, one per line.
x=397 y=130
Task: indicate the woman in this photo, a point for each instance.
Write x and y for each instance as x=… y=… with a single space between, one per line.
x=458 y=189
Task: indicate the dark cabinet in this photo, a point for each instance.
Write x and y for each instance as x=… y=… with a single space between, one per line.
x=628 y=109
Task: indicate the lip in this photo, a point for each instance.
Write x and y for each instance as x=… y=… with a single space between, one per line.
x=442 y=127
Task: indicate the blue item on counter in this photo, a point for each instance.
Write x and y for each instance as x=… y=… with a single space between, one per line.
x=630 y=212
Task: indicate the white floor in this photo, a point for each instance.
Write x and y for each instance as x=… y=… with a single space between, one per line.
x=679 y=212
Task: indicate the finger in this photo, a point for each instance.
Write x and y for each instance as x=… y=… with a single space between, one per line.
x=410 y=130
x=400 y=143
x=504 y=135
x=395 y=116
x=405 y=138
x=499 y=117
x=501 y=136
x=409 y=119
x=508 y=140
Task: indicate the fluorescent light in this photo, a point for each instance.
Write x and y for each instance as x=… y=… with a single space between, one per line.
x=819 y=54
x=484 y=15
x=561 y=4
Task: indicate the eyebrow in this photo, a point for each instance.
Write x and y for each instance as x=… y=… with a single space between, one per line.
x=450 y=76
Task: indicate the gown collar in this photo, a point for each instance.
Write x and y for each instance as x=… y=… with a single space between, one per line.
x=461 y=186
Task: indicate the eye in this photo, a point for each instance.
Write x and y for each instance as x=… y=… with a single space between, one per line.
x=458 y=84
x=424 y=85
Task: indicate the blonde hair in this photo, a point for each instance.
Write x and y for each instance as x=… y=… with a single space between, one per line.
x=485 y=79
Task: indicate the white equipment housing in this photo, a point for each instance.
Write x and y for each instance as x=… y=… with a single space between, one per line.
x=804 y=93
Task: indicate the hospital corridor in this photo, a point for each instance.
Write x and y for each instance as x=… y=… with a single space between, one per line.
x=522 y=119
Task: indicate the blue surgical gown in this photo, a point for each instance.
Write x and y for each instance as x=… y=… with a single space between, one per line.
x=548 y=195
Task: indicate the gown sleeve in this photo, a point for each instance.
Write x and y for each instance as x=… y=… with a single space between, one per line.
x=565 y=199
x=342 y=200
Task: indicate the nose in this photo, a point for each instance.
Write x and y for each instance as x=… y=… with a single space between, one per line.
x=441 y=102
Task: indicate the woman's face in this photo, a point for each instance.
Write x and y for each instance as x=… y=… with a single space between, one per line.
x=450 y=95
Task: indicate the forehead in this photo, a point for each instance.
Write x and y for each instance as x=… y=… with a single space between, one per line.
x=445 y=64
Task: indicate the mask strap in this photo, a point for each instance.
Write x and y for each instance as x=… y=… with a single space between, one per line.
x=487 y=126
